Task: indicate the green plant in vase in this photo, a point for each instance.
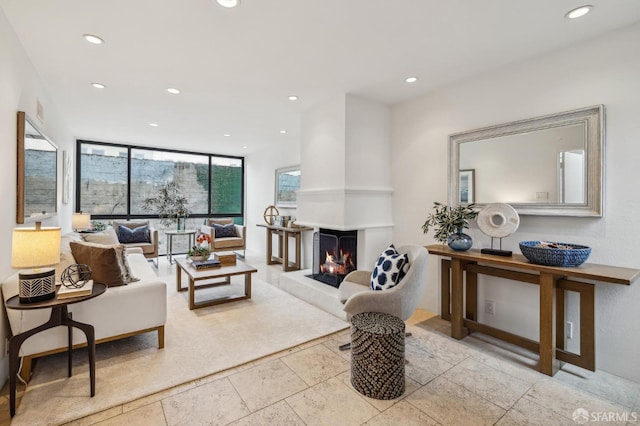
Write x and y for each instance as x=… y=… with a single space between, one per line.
x=448 y=223
x=169 y=203
x=199 y=253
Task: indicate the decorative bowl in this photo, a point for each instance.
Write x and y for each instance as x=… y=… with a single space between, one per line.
x=554 y=254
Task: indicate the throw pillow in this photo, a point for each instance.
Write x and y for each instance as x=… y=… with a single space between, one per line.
x=390 y=268
x=66 y=257
x=224 y=231
x=108 y=236
x=136 y=235
x=103 y=261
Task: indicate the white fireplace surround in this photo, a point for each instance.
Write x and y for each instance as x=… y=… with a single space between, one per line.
x=344 y=209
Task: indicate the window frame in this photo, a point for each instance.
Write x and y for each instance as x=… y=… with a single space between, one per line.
x=129 y=148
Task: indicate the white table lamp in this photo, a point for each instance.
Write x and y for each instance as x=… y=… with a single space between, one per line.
x=34 y=249
x=80 y=221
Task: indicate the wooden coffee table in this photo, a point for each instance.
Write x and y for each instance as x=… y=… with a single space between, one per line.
x=222 y=272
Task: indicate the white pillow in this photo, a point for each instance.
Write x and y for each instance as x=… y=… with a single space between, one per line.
x=107 y=237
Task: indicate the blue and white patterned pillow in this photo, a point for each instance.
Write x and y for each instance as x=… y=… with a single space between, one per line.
x=390 y=268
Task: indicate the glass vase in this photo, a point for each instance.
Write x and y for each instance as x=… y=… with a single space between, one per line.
x=459 y=241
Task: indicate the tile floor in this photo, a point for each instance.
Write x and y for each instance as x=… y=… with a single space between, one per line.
x=475 y=381
x=447 y=383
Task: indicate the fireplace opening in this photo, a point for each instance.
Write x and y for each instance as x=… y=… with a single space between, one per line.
x=334 y=255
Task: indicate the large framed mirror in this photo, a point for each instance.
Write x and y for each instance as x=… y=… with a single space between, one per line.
x=37 y=173
x=550 y=165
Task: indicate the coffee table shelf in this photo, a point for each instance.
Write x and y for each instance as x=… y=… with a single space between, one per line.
x=223 y=272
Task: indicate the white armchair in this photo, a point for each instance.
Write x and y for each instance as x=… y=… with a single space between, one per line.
x=400 y=301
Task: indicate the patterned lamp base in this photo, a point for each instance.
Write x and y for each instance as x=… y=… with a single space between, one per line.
x=377 y=355
x=37 y=286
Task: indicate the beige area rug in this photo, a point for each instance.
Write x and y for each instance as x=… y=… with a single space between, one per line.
x=197 y=343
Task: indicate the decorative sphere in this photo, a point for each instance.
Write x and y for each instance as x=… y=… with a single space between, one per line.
x=76 y=275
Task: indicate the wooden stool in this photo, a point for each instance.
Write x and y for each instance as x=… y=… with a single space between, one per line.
x=377 y=355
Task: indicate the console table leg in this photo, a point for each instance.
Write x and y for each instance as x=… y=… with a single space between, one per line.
x=548 y=363
x=457 y=316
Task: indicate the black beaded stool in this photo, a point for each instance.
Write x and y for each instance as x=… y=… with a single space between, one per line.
x=377 y=355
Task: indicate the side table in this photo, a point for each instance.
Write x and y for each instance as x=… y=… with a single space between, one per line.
x=170 y=234
x=59 y=317
x=284 y=233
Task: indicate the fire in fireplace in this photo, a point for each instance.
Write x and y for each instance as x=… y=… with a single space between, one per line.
x=334 y=255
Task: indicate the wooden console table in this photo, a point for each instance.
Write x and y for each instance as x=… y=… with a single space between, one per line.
x=284 y=233
x=464 y=267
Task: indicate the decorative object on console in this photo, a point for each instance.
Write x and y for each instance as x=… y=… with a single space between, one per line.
x=76 y=275
x=36 y=248
x=554 y=254
x=498 y=220
x=449 y=223
x=459 y=240
x=269 y=213
x=80 y=221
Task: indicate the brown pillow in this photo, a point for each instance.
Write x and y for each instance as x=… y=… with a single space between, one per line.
x=103 y=261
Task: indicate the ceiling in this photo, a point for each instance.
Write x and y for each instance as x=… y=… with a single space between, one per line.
x=236 y=67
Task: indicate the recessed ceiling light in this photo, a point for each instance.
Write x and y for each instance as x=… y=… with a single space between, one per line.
x=578 y=12
x=283 y=131
x=173 y=91
x=228 y=3
x=244 y=147
x=153 y=124
x=226 y=135
x=411 y=79
x=293 y=98
x=93 y=39
x=98 y=85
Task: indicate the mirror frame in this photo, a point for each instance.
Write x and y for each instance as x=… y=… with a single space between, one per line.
x=592 y=118
x=23 y=119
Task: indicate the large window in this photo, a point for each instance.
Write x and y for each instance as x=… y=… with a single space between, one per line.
x=114 y=180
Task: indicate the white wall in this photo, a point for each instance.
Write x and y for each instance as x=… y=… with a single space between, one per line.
x=19 y=88
x=260 y=169
x=600 y=71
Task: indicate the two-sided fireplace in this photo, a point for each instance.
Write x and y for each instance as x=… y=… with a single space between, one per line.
x=334 y=255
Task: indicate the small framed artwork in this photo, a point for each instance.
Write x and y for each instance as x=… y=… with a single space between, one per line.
x=287 y=183
x=466 y=185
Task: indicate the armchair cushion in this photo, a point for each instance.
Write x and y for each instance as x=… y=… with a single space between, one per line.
x=390 y=268
x=108 y=236
x=134 y=235
x=225 y=231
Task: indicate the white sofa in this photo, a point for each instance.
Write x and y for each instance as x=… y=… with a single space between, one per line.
x=122 y=311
